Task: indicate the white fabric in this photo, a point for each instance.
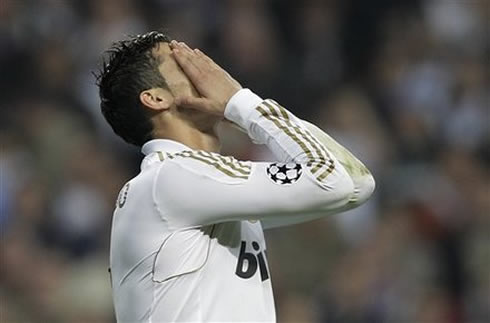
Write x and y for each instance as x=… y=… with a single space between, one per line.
x=187 y=243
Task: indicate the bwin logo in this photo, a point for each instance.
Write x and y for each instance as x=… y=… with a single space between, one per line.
x=251 y=259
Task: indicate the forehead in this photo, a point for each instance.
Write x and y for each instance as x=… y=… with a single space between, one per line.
x=167 y=65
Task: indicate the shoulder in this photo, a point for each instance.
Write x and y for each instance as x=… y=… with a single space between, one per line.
x=212 y=165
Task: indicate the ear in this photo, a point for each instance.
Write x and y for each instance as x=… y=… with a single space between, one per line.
x=155 y=99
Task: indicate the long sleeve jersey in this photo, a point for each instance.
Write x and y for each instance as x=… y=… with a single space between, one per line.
x=187 y=242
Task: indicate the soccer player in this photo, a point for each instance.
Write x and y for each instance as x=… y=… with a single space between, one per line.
x=187 y=242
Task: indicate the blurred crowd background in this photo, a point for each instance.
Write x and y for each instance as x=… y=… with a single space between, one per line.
x=403 y=84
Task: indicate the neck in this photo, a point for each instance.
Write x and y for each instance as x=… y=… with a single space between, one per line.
x=191 y=137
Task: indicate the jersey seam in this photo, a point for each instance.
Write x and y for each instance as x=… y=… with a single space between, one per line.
x=202 y=270
x=156 y=205
x=182 y=274
x=153 y=281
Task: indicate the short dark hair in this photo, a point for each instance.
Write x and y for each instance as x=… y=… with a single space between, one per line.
x=130 y=68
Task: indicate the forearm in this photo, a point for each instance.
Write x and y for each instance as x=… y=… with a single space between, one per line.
x=291 y=139
x=315 y=144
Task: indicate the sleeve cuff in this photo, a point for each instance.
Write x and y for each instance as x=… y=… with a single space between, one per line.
x=240 y=107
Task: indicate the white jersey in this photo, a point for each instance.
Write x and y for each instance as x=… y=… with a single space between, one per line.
x=187 y=243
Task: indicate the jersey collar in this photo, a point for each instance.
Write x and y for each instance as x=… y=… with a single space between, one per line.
x=166 y=145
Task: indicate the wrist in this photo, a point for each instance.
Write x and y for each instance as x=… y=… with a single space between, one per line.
x=240 y=106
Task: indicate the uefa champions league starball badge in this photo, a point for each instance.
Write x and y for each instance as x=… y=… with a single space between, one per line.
x=284 y=174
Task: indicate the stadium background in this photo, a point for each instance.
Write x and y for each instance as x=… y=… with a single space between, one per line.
x=403 y=84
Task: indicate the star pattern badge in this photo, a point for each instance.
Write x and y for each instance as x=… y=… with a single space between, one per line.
x=284 y=173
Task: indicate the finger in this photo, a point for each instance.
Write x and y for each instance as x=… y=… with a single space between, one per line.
x=187 y=64
x=211 y=65
x=203 y=56
x=181 y=50
x=184 y=50
x=177 y=45
x=186 y=47
x=196 y=68
x=205 y=60
x=197 y=57
x=196 y=76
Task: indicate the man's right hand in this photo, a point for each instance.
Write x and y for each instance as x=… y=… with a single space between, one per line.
x=214 y=84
